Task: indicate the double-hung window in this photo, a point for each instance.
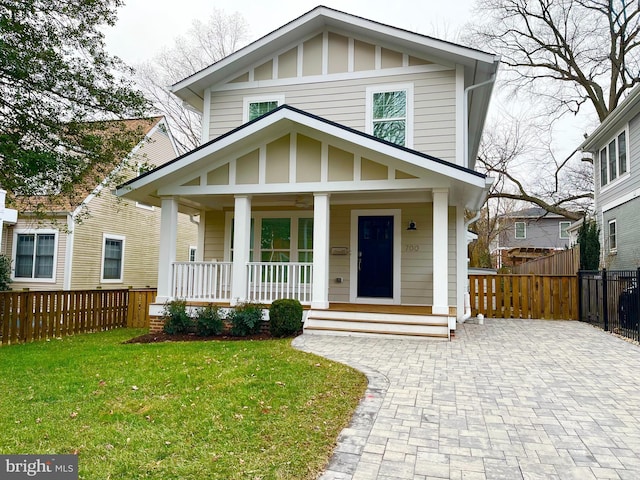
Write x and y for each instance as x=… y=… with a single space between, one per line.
x=613 y=241
x=390 y=113
x=521 y=230
x=255 y=107
x=35 y=254
x=112 y=258
x=564 y=229
x=613 y=159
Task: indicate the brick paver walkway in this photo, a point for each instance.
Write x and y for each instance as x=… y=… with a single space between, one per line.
x=510 y=399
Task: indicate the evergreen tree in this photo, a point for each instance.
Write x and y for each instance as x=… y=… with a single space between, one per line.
x=588 y=239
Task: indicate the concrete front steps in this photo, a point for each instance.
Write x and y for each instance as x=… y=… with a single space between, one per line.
x=398 y=325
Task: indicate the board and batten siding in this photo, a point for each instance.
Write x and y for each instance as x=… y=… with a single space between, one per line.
x=28 y=224
x=344 y=102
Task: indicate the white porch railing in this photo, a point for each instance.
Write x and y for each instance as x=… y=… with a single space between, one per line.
x=203 y=281
x=266 y=282
x=271 y=281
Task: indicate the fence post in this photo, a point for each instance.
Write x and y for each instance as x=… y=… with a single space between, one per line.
x=580 y=295
x=605 y=301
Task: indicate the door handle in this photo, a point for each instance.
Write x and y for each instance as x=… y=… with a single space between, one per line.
x=359 y=261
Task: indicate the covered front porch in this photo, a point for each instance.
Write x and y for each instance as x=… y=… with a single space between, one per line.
x=292 y=206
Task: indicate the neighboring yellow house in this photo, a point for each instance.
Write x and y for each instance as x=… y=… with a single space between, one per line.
x=337 y=162
x=103 y=241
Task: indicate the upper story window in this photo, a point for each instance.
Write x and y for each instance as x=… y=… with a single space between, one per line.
x=35 y=255
x=390 y=113
x=564 y=229
x=613 y=241
x=112 y=258
x=255 y=107
x=521 y=230
x=613 y=159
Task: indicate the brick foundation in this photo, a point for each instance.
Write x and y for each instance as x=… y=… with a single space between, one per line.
x=155 y=324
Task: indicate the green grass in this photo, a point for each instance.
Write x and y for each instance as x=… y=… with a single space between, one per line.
x=193 y=410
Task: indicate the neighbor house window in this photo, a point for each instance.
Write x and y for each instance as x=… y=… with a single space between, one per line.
x=35 y=254
x=255 y=107
x=389 y=113
x=112 y=258
x=613 y=240
x=521 y=230
x=564 y=229
x=613 y=159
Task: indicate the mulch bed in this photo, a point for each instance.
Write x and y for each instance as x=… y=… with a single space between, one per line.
x=192 y=337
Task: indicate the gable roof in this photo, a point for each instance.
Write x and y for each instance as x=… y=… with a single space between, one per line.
x=143 y=127
x=533 y=212
x=280 y=120
x=479 y=66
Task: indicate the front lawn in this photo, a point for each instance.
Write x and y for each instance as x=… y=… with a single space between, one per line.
x=193 y=410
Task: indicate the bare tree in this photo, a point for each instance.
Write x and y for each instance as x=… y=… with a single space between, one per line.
x=518 y=153
x=204 y=44
x=568 y=52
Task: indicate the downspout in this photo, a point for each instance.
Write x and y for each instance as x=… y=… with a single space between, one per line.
x=467 y=300
x=466 y=114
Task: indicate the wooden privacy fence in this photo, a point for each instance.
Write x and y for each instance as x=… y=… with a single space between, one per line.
x=28 y=316
x=564 y=262
x=553 y=297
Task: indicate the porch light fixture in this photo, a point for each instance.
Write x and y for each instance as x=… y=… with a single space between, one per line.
x=412 y=225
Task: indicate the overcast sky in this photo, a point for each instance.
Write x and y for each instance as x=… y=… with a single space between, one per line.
x=144 y=27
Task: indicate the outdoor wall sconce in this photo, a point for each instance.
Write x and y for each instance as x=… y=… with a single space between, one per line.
x=412 y=225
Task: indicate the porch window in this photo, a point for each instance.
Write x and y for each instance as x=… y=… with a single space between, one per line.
x=521 y=230
x=389 y=112
x=275 y=240
x=112 y=258
x=34 y=257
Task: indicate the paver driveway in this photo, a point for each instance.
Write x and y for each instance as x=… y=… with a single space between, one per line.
x=509 y=399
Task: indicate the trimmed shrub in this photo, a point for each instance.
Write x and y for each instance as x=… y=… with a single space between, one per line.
x=176 y=318
x=208 y=321
x=245 y=319
x=5 y=272
x=285 y=317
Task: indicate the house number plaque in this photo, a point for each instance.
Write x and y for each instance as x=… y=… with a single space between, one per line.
x=412 y=247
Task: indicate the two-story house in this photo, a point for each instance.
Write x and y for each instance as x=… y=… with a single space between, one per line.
x=95 y=239
x=614 y=149
x=529 y=234
x=336 y=166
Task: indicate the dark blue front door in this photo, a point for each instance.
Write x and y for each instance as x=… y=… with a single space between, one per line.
x=375 y=257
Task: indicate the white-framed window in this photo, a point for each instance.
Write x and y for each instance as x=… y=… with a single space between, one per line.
x=193 y=253
x=35 y=255
x=521 y=230
x=389 y=113
x=112 y=258
x=613 y=238
x=614 y=159
x=255 y=107
x=564 y=229
x=282 y=237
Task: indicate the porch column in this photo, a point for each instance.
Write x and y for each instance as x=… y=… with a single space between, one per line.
x=320 y=289
x=168 y=241
x=440 y=251
x=241 y=246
